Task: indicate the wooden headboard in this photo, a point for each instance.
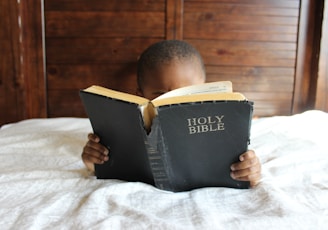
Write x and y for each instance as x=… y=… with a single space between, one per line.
x=262 y=46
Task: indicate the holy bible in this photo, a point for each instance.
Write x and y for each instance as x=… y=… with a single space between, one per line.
x=185 y=139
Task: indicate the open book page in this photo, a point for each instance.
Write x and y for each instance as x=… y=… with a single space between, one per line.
x=95 y=89
x=211 y=87
x=191 y=98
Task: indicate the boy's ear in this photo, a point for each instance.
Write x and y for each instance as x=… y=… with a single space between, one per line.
x=139 y=92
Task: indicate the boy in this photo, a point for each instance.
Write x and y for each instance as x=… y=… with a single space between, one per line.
x=162 y=67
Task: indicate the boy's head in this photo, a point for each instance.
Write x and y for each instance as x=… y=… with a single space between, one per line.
x=168 y=65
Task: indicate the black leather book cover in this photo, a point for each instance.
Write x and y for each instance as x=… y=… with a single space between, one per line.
x=199 y=141
x=120 y=127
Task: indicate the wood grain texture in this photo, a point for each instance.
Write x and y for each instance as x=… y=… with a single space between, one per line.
x=11 y=82
x=236 y=53
x=32 y=59
x=271 y=3
x=105 y=5
x=244 y=8
x=269 y=49
x=321 y=101
x=252 y=43
x=105 y=24
x=174 y=19
x=96 y=51
x=307 y=55
x=87 y=44
x=90 y=46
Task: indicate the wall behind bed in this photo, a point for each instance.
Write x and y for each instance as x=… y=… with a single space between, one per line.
x=267 y=48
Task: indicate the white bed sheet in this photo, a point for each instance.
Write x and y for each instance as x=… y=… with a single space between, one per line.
x=44 y=184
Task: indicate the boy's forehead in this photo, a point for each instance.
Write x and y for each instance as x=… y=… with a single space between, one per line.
x=177 y=65
x=175 y=74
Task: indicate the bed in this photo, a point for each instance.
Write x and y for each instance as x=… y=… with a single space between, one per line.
x=44 y=183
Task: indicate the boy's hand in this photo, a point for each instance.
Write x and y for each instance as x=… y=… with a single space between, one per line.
x=94 y=152
x=248 y=169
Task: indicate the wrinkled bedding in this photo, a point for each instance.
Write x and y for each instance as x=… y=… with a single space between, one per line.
x=44 y=184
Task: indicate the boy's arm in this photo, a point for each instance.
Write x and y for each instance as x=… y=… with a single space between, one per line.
x=94 y=152
x=247 y=169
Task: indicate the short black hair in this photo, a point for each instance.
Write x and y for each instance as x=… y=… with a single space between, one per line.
x=164 y=52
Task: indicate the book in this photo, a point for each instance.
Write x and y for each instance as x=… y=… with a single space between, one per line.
x=184 y=139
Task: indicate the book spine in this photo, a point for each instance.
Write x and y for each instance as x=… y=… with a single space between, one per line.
x=154 y=145
x=251 y=105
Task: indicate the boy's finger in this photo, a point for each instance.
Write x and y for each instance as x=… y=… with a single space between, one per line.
x=251 y=174
x=245 y=164
x=254 y=170
x=93 y=137
x=249 y=154
x=89 y=154
x=93 y=159
x=97 y=147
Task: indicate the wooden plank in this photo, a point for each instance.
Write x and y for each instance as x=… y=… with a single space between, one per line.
x=270 y=103
x=191 y=29
x=105 y=24
x=32 y=59
x=174 y=19
x=276 y=105
x=95 y=50
x=257 y=84
x=104 y=5
x=211 y=33
x=307 y=55
x=273 y=3
x=271 y=111
x=224 y=19
x=241 y=27
x=240 y=36
x=11 y=92
x=321 y=101
x=119 y=76
x=11 y=109
x=240 y=53
x=234 y=46
x=238 y=22
x=250 y=71
x=65 y=103
x=254 y=78
x=240 y=9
